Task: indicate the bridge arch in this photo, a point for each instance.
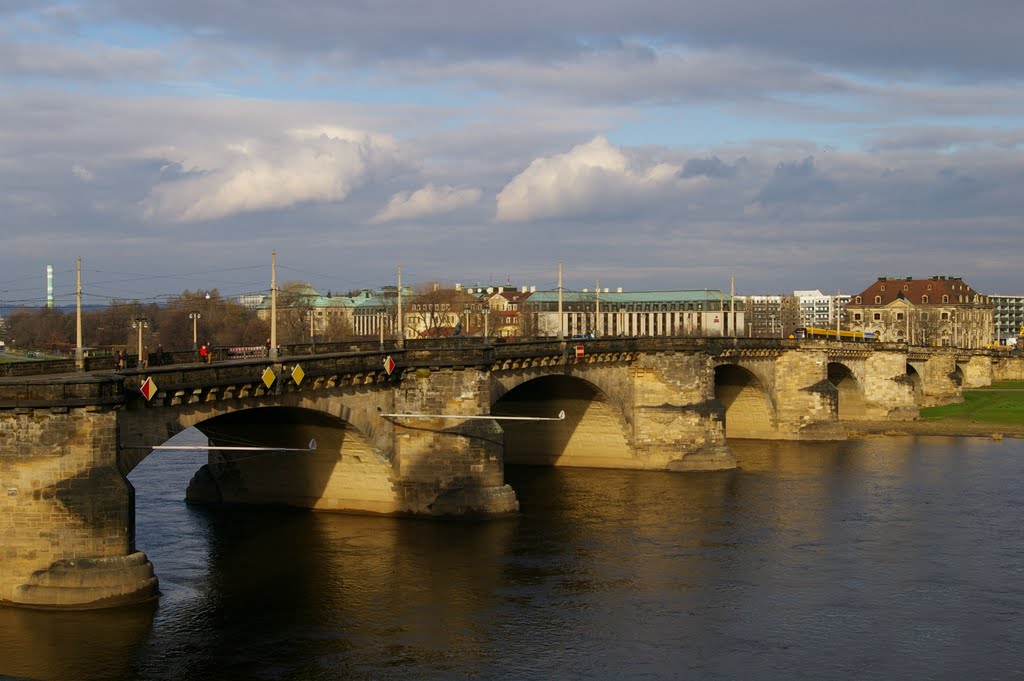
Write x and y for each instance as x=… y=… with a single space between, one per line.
x=849 y=391
x=749 y=412
x=345 y=471
x=593 y=434
x=916 y=379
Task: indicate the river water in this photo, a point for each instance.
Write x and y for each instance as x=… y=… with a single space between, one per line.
x=882 y=558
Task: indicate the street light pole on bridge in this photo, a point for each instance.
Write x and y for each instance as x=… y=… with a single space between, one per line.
x=140 y=323
x=273 y=305
x=195 y=317
x=79 y=348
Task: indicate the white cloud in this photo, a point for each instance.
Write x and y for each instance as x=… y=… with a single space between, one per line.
x=82 y=173
x=430 y=200
x=588 y=179
x=306 y=165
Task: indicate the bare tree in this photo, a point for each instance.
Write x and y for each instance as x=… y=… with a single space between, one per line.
x=434 y=311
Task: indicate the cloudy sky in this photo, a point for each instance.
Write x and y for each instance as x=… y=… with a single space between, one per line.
x=650 y=144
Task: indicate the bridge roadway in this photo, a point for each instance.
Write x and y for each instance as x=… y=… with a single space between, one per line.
x=68 y=441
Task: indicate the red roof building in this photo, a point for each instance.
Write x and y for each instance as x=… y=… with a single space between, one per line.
x=940 y=310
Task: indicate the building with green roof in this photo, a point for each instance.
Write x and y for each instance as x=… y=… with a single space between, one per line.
x=708 y=312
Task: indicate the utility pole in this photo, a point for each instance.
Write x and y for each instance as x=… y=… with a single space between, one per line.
x=725 y=320
x=140 y=323
x=312 y=337
x=732 y=303
x=401 y=321
x=195 y=317
x=79 y=348
x=839 y=298
x=906 y=319
x=273 y=304
x=597 y=307
x=561 y=334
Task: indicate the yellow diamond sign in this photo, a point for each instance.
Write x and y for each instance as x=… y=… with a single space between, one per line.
x=268 y=377
x=298 y=374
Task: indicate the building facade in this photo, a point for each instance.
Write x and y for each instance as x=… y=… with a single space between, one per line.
x=772 y=316
x=941 y=311
x=641 y=313
x=820 y=310
x=1008 y=314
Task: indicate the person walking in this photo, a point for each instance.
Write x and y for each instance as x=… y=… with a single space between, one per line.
x=203 y=353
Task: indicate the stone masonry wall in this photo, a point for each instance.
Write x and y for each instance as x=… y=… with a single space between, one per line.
x=677 y=423
x=939 y=385
x=977 y=372
x=1008 y=368
x=806 y=402
x=66 y=512
x=449 y=466
x=888 y=391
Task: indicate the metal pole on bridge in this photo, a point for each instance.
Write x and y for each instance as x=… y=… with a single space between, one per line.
x=401 y=322
x=273 y=304
x=79 y=348
x=561 y=334
x=839 y=297
x=195 y=317
x=140 y=323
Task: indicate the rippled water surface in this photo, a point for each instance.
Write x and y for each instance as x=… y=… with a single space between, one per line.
x=887 y=558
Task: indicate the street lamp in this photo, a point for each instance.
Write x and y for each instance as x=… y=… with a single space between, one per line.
x=312 y=338
x=140 y=323
x=195 y=317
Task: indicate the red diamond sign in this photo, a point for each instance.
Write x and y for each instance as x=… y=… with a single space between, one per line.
x=148 y=389
x=389 y=365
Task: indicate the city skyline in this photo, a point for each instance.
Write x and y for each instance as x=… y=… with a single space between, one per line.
x=651 y=145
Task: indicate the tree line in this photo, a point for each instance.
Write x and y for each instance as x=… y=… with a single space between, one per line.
x=432 y=310
x=221 y=321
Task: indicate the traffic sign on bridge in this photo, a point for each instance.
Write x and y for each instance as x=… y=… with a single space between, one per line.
x=148 y=388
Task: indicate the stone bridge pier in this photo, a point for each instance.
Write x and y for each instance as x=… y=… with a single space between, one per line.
x=68 y=514
x=936 y=376
x=446 y=465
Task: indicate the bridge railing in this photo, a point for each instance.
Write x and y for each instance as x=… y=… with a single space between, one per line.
x=470 y=349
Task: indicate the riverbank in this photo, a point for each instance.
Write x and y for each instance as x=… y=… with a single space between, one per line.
x=948 y=427
x=994 y=412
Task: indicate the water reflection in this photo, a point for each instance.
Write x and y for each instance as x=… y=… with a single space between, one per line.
x=875 y=559
x=95 y=644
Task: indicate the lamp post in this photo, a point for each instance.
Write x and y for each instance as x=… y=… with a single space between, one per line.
x=195 y=317
x=312 y=338
x=140 y=323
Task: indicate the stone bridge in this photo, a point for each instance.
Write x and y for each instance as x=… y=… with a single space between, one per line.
x=429 y=438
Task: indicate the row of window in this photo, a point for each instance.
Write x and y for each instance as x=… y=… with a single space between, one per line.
x=899 y=316
x=626 y=307
x=924 y=299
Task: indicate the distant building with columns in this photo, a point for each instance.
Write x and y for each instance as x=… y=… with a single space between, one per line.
x=707 y=312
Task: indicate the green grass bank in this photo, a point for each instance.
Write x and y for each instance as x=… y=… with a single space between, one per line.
x=1003 y=403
